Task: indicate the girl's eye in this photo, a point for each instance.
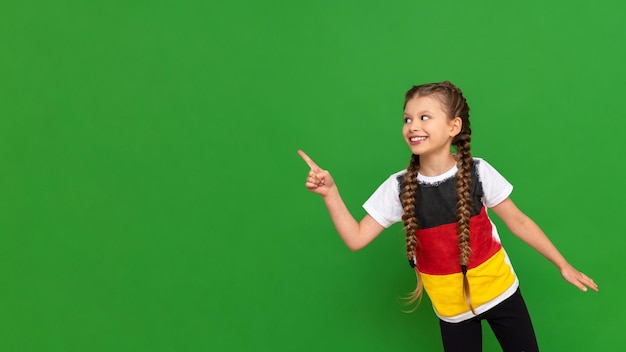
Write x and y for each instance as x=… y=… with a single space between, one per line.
x=407 y=120
x=424 y=117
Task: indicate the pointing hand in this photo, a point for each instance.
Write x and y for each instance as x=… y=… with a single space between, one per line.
x=318 y=181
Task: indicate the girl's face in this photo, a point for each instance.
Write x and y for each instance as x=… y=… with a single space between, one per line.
x=427 y=128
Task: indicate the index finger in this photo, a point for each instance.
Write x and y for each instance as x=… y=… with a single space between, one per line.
x=308 y=160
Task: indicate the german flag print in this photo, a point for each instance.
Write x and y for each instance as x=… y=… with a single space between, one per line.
x=437 y=255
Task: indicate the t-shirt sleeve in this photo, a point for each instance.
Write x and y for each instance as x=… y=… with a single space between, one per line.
x=495 y=187
x=384 y=204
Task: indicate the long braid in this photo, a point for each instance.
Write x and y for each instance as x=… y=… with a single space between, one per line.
x=458 y=107
x=463 y=182
x=409 y=219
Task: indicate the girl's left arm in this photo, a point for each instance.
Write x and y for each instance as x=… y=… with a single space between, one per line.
x=528 y=231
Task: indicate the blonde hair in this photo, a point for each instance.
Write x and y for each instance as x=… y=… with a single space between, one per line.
x=455 y=105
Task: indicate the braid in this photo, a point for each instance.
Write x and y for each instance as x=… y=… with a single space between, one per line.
x=408 y=206
x=458 y=107
x=463 y=182
x=408 y=200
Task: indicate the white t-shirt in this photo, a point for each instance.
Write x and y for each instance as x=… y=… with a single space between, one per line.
x=384 y=204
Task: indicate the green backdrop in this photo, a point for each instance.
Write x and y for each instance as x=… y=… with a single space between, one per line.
x=152 y=198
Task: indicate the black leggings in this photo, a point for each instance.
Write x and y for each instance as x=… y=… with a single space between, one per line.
x=509 y=321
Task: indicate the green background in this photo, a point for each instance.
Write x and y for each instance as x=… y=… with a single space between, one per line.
x=151 y=197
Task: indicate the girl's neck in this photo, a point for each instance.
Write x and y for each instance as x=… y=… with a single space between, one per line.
x=431 y=166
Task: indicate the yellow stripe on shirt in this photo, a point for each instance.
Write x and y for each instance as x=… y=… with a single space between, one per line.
x=487 y=281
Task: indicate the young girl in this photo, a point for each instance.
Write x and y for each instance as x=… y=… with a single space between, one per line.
x=454 y=247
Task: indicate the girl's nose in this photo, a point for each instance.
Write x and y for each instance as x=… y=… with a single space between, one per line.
x=415 y=125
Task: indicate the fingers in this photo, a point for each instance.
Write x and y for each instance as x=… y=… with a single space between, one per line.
x=583 y=282
x=309 y=161
x=316 y=179
x=587 y=282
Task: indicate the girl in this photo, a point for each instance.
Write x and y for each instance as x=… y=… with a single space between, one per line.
x=454 y=247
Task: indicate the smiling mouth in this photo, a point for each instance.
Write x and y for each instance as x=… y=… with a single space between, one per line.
x=417 y=139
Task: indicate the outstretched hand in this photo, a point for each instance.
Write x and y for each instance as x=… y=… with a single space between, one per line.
x=318 y=181
x=578 y=279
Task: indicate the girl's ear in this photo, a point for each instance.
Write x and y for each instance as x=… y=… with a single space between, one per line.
x=456 y=126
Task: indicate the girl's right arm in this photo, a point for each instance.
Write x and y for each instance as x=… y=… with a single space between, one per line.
x=355 y=235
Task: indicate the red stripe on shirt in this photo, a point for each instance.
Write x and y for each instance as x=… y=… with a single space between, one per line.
x=438 y=252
